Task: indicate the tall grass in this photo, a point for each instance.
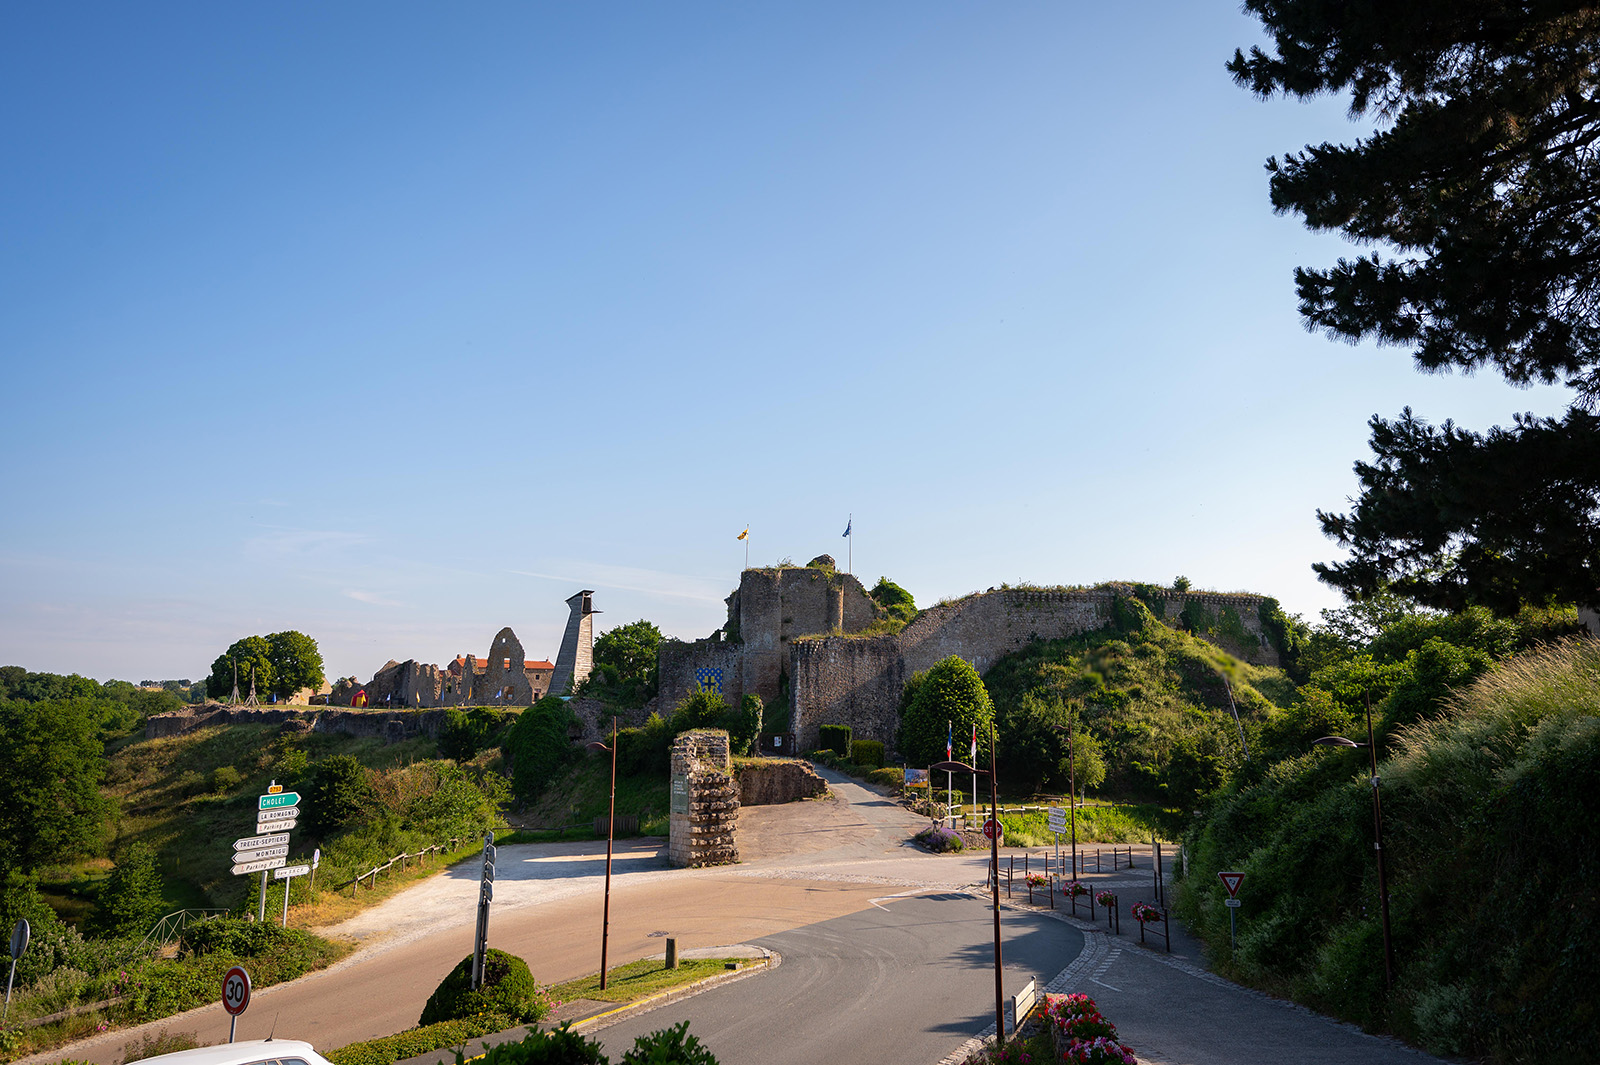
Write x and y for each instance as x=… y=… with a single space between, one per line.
x=1490 y=834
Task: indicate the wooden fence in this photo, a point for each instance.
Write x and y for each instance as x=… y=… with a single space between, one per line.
x=388 y=866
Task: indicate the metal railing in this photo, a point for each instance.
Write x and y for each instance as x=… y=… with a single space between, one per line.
x=168 y=928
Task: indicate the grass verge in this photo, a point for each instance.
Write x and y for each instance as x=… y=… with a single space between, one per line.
x=642 y=978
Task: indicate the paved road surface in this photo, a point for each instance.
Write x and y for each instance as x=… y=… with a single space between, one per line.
x=806 y=865
x=903 y=983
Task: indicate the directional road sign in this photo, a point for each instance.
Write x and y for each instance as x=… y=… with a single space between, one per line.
x=290 y=870
x=235 y=990
x=282 y=814
x=1058 y=819
x=1231 y=881
x=259 y=866
x=275 y=802
x=265 y=827
x=250 y=843
x=259 y=853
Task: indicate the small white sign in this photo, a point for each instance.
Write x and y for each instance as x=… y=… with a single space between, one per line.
x=288 y=814
x=250 y=843
x=260 y=853
x=1232 y=904
x=290 y=870
x=259 y=867
x=276 y=826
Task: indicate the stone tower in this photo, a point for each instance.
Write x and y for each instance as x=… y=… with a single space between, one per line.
x=576 y=656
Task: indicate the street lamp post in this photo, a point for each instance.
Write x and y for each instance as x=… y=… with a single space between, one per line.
x=611 y=831
x=1377 y=840
x=994 y=879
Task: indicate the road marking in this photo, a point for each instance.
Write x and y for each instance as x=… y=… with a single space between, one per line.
x=1105 y=985
x=901 y=895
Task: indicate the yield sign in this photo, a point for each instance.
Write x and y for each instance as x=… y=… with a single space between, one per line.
x=1231 y=881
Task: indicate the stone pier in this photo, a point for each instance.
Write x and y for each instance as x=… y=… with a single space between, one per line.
x=705 y=801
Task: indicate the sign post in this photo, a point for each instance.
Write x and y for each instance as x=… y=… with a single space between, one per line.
x=1058 y=825
x=480 y=947
x=21 y=932
x=276 y=814
x=1231 y=881
x=235 y=996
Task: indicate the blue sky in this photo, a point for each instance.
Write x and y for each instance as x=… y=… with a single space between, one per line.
x=399 y=323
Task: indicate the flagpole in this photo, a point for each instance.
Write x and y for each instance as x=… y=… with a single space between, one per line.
x=850 y=564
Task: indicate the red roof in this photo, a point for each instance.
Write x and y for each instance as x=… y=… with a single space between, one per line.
x=461 y=663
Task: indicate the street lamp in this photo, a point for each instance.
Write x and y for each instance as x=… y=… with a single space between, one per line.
x=994 y=877
x=611 y=829
x=1377 y=843
x=1072 y=797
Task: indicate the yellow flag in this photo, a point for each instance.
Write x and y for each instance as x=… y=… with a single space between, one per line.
x=746 y=532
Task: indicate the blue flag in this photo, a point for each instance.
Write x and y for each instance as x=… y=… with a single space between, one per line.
x=847 y=525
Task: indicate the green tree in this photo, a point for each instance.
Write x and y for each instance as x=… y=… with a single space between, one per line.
x=539 y=745
x=131 y=900
x=1480 y=188
x=252 y=652
x=950 y=692
x=51 y=809
x=624 y=674
x=296 y=663
x=339 y=793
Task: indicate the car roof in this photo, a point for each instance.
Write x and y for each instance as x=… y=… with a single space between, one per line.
x=244 y=1052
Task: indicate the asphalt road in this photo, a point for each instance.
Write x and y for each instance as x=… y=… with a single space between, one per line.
x=905 y=982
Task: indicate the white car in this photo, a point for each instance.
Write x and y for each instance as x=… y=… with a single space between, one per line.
x=244 y=1052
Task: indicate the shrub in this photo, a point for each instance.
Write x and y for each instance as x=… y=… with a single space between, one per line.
x=893 y=778
x=225 y=778
x=836 y=738
x=539 y=745
x=338 y=794
x=867 y=752
x=559 y=1046
x=508 y=987
x=669 y=1046
x=939 y=839
x=417 y=1041
x=466 y=732
x=131 y=900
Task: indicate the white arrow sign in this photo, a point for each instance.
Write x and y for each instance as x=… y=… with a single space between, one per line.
x=286 y=814
x=290 y=870
x=257 y=867
x=276 y=826
x=261 y=852
x=250 y=843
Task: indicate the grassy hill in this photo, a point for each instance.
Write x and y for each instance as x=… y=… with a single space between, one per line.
x=1156 y=704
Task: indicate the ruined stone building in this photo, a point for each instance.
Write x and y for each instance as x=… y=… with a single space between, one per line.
x=503 y=677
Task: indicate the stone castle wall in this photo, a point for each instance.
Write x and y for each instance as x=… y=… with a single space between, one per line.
x=769 y=609
x=857 y=682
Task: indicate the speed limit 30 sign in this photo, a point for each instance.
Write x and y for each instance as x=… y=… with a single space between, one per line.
x=235 y=990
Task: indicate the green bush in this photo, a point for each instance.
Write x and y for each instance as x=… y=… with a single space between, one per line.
x=836 y=738
x=225 y=778
x=669 y=1046
x=893 y=778
x=339 y=793
x=131 y=901
x=409 y=1044
x=466 y=732
x=867 y=752
x=508 y=987
x=539 y=745
x=559 y=1046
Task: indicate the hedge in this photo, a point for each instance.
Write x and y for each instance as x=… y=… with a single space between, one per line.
x=867 y=752
x=409 y=1044
x=836 y=738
